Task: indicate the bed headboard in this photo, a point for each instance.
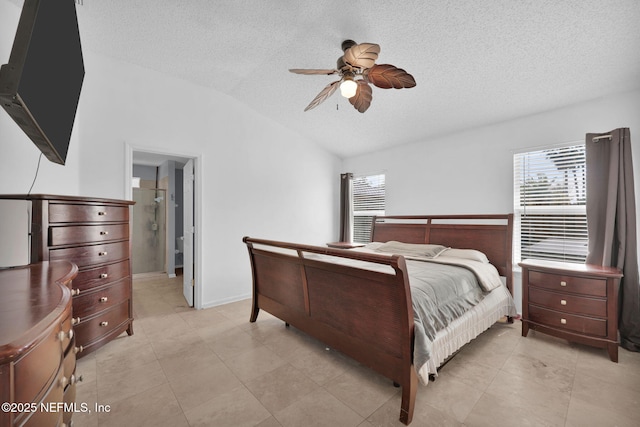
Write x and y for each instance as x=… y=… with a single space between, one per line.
x=491 y=234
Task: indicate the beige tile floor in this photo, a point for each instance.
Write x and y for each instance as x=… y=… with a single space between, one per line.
x=185 y=367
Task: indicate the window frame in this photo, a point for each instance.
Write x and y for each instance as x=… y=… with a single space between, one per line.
x=565 y=227
x=361 y=229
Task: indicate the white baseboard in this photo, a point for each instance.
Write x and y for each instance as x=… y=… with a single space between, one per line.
x=226 y=301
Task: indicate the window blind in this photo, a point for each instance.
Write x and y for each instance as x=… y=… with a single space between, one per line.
x=550 y=204
x=368 y=201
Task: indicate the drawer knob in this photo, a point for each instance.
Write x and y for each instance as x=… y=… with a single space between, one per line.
x=75 y=292
x=104 y=275
x=62 y=335
x=104 y=324
x=563 y=283
x=75 y=320
x=104 y=299
x=104 y=233
x=563 y=302
x=563 y=321
x=75 y=380
x=78 y=349
x=102 y=213
x=102 y=253
x=63 y=382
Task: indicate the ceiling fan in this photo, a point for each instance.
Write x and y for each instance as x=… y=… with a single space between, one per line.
x=357 y=68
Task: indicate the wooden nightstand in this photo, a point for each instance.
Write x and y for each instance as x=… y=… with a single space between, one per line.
x=345 y=245
x=576 y=302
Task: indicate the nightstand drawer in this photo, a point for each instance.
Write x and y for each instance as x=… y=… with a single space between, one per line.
x=580 y=324
x=78 y=234
x=568 y=303
x=566 y=283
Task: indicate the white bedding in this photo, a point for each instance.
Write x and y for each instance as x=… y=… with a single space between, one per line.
x=496 y=304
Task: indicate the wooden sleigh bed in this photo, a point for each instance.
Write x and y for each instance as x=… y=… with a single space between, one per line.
x=360 y=303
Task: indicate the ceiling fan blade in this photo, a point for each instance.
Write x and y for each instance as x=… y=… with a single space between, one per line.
x=362 y=55
x=312 y=71
x=362 y=99
x=323 y=95
x=387 y=76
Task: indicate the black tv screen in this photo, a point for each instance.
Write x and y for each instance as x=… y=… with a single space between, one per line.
x=40 y=85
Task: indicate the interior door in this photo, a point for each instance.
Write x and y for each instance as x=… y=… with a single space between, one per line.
x=189 y=231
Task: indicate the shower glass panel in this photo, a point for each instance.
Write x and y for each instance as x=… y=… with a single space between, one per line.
x=149 y=230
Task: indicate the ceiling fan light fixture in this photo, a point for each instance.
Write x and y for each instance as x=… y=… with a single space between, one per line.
x=359 y=60
x=348 y=87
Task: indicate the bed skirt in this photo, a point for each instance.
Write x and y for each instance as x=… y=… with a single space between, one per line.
x=497 y=304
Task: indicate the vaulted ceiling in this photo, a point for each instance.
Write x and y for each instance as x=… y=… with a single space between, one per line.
x=475 y=62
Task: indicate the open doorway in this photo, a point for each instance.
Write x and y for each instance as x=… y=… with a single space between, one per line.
x=164 y=239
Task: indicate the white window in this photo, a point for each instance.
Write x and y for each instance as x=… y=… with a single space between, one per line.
x=368 y=201
x=550 y=204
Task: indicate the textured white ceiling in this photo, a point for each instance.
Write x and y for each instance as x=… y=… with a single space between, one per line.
x=475 y=62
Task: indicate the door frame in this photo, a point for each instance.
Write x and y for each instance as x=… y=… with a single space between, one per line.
x=197 y=205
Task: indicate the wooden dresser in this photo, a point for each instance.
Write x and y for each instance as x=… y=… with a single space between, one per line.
x=94 y=234
x=577 y=302
x=37 y=352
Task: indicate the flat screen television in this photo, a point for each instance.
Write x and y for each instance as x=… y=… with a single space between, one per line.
x=40 y=85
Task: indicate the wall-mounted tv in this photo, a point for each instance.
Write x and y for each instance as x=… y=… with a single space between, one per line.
x=40 y=85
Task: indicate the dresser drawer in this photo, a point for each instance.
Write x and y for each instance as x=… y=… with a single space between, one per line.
x=69 y=362
x=71 y=404
x=87 y=304
x=38 y=368
x=78 y=234
x=92 y=254
x=99 y=276
x=53 y=396
x=568 y=303
x=67 y=334
x=65 y=213
x=569 y=322
x=565 y=283
x=106 y=321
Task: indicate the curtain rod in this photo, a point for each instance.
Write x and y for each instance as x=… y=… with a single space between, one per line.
x=598 y=138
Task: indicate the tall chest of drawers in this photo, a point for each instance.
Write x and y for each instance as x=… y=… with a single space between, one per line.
x=577 y=302
x=94 y=234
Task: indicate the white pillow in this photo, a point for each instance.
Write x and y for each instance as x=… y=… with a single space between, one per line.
x=471 y=254
x=411 y=249
x=373 y=245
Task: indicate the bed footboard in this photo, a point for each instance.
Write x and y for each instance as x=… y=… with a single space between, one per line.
x=364 y=312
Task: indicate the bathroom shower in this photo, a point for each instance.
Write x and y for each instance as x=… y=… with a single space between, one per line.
x=158 y=219
x=149 y=230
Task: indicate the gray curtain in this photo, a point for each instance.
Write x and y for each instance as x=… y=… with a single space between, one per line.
x=346 y=210
x=611 y=222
